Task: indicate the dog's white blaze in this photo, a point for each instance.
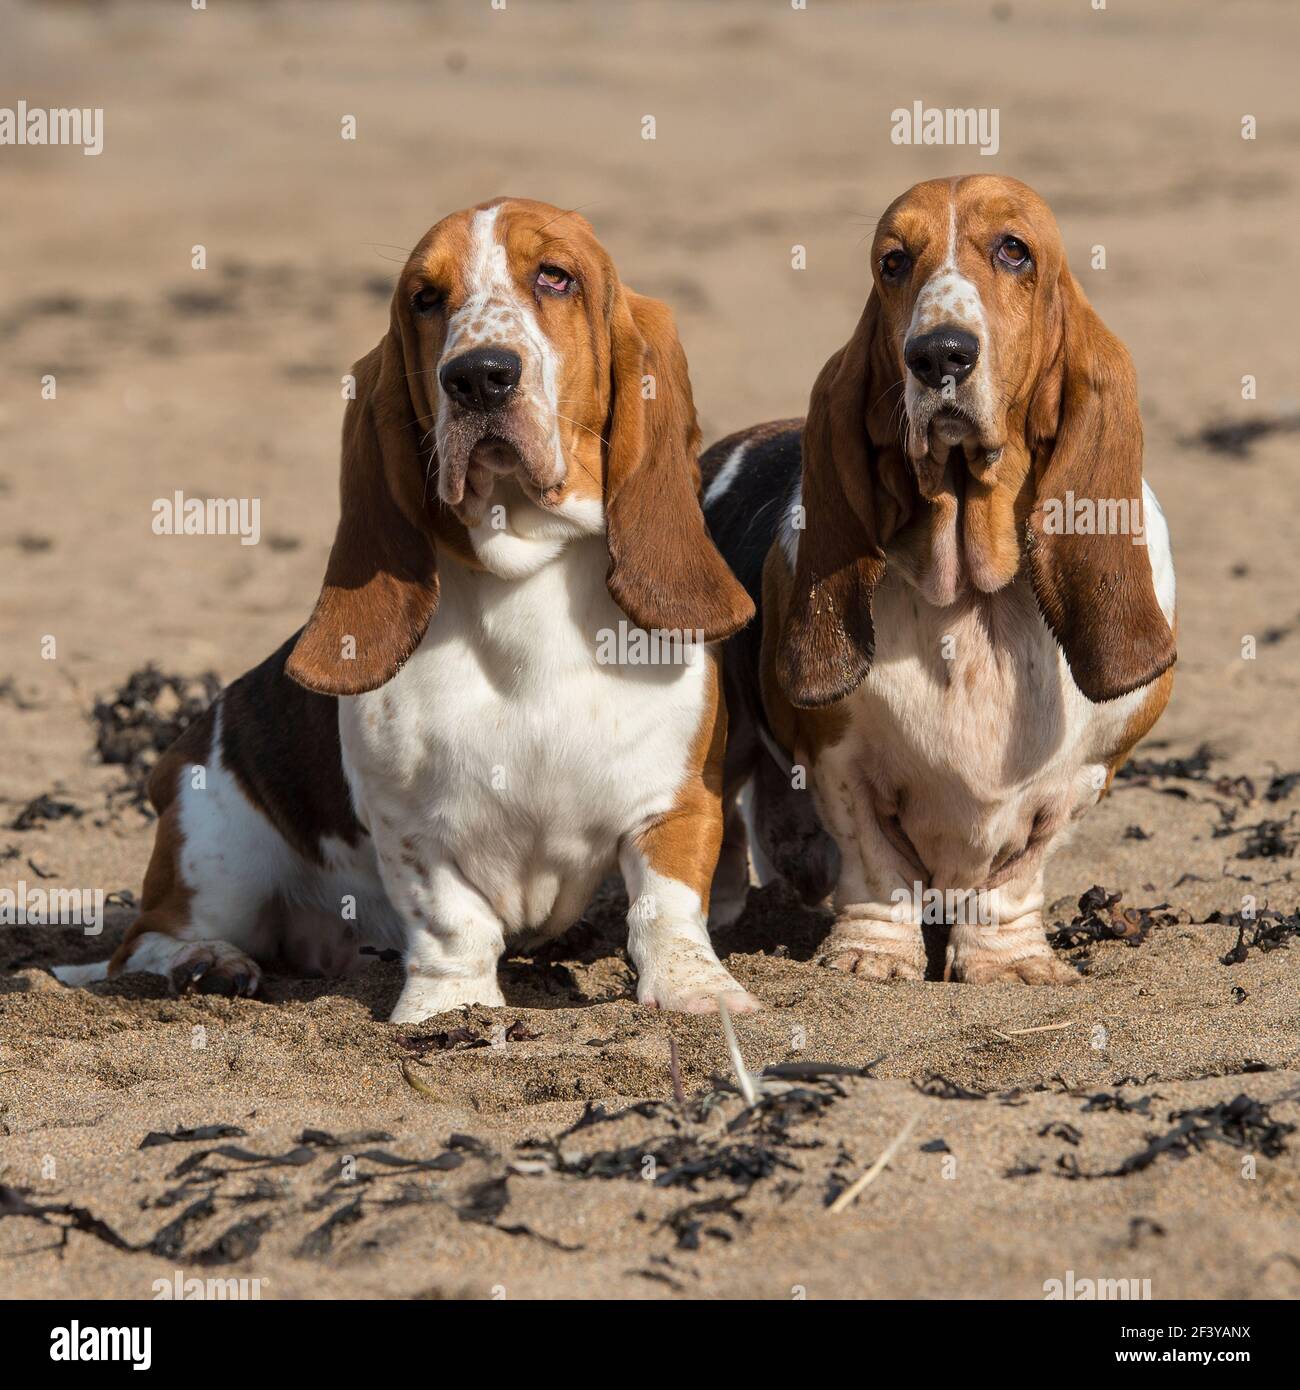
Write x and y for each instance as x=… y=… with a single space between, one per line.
x=495 y=314
x=949 y=297
x=490 y=293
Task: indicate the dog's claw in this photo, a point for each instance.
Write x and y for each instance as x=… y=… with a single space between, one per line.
x=214 y=968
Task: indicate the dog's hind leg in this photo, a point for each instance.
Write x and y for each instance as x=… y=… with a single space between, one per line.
x=214 y=879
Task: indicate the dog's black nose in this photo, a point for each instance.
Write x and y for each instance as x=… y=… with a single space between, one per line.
x=481 y=379
x=947 y=352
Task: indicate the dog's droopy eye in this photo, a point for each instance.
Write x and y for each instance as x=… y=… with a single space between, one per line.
x=894 y=265
x=425 y=301
x=554 y=280
x=1014 y=254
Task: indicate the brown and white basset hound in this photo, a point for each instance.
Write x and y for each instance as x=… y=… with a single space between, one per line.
x=463 y=740
x=966 y=596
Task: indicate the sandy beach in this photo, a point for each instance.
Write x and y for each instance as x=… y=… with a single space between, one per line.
x=1140 y=1125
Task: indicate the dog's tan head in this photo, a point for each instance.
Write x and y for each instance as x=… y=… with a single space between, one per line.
x=513 y=353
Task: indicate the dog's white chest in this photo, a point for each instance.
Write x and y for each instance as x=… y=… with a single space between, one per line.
x=507 y=748
x=975 y=695
x=966 y=740
x=969 y=734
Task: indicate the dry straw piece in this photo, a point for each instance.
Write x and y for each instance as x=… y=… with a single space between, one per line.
x=857 y=1187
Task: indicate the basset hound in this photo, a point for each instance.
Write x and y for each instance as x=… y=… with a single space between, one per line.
x=452 y=753
x=965 y=590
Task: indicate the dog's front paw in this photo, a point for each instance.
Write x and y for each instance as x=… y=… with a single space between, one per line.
x=688 y=982
x=1019 y=955
x=871 y=962
x=425 y=995
x=884 y=951
x=702 y=999
x=1028 y=970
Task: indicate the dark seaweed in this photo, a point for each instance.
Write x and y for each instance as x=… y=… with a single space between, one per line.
x=1266 y=930
x=131 y=731
x=1235 y=438
x=187 y=1136
x=1243 y=1123
x=945 y=1089
x=13 y=1202
x=1100 y=918
x=45 y=807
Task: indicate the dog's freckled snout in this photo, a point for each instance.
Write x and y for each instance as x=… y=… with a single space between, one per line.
x=481 y=379
x=945 y=352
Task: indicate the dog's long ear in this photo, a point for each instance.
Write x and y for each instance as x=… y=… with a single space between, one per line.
x=1095 y=590
x=855 y=496
x=664 y=570
x=381 y=583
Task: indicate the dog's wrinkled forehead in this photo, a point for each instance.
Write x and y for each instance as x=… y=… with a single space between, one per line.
x=484 y=262
x=950 y=228
x=496 y=308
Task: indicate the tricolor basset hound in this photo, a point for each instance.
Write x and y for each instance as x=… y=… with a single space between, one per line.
x=446 y=759
x=966 y=596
